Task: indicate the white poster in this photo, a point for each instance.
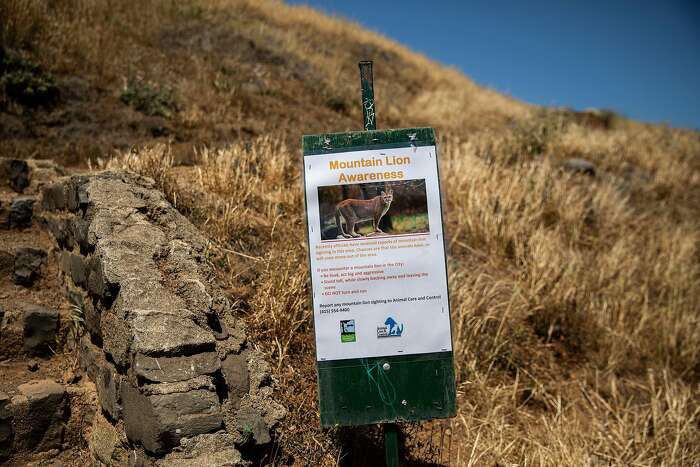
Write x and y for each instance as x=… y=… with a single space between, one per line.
x=377 y=256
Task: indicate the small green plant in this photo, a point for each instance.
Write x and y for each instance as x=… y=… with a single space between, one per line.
x=148 y=98
x=22 y=82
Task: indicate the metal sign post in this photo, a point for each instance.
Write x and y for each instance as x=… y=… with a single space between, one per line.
x=381 y=308
x=367 y=84
x=391 y=430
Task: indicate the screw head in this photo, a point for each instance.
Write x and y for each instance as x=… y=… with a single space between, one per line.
x=386 y=366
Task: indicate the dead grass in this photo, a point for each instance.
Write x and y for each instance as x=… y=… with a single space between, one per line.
x=574 y=299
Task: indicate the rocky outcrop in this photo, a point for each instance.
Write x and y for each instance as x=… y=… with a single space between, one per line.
x=44 y=404
x=15 y=173
x=580 y=166
x=169 y=360
x=27 y=265
x=38 y=414
x=40 y=329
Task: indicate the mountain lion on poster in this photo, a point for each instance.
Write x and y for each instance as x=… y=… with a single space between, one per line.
x=353 y=211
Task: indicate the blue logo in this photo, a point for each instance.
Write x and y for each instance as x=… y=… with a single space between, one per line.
x=390 y=329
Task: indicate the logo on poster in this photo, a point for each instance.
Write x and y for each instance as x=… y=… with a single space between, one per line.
x=390 y=329
x=347 y=330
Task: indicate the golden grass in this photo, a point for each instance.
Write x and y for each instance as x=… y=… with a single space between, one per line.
x=574 y=306
x=574 y=299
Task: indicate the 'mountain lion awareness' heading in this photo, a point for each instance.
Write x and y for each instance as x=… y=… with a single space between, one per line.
x=387 y=161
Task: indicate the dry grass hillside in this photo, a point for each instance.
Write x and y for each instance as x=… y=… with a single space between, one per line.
x=575 y=296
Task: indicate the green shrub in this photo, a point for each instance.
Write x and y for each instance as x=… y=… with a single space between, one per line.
x=149 y=99
x=23 y=83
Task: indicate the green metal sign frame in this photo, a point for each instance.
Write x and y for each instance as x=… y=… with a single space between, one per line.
x=382 y=389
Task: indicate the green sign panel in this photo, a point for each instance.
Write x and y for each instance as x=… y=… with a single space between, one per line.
x=378 y=271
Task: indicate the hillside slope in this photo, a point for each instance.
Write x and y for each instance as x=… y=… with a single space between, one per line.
x=575 y=295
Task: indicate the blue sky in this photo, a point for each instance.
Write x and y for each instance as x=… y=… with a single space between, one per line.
x=639 y=58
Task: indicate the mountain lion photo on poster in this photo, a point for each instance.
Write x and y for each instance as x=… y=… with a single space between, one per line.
x=365 y=210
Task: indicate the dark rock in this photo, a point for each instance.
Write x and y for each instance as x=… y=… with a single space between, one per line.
x=81 y=192
x=38 y=416
x=6 y=439
x=7 y=263
x=28 y=262
x=580 y=166
x=53 y=196
x=158 y=422
x=4 y=406
x=108 y=385
x=235 y=370
x=106 y=378
x=88 y=356
x=66 y=194
x=74 y=266
x=71 y=191
x=21 y=212
x=79 y=234
x=6 y=431
x=92 y=317
x=40 y=328
x=58 y=227
x=172 y=369
x=217 y=327
x=64 y=261
x=16 y=172
x=96 y=283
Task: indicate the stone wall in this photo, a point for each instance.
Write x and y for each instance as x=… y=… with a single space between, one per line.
x=44 y=404
x=173 y=370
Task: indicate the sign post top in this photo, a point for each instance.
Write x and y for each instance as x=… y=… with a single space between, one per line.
x=367 y=84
